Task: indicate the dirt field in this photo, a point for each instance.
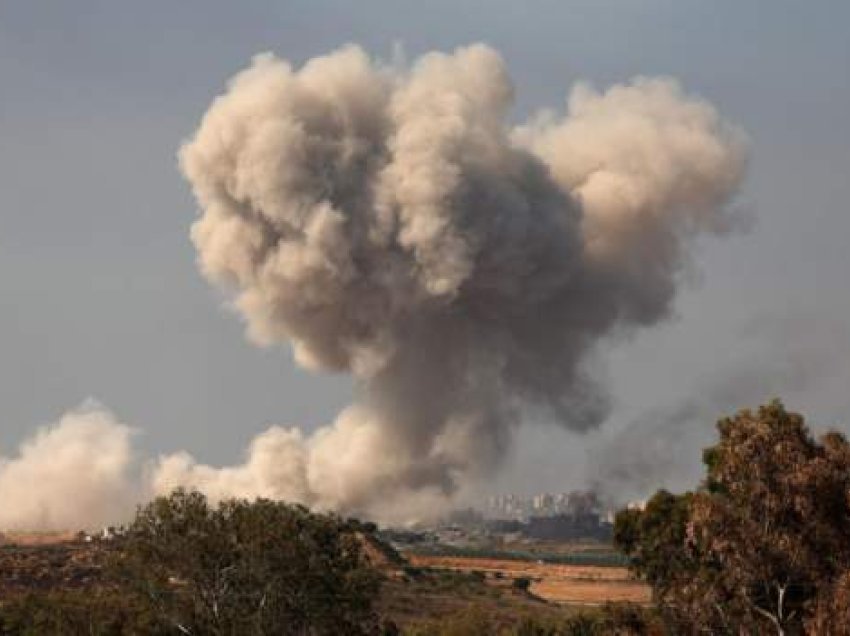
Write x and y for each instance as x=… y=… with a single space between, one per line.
x=579 y=584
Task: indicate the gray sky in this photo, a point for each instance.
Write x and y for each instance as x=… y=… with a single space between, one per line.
x=101 y=297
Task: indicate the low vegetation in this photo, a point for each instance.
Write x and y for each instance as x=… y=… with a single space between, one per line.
x=184 y=567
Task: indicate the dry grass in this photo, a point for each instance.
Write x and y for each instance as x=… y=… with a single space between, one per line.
x=591 y=593
x=36 y=538
x=580 y=584
x=54 y=566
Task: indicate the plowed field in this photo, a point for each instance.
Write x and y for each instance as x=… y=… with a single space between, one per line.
x=581 y=584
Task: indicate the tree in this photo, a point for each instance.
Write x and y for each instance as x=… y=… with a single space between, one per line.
x=259 y=567
x=655 y=538
x=763 y=541
x=831 y=616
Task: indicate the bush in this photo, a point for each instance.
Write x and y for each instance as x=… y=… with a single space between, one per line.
x=473 y=622
x=522 y=583
x=97 y=613
x=259 y=567
x=622 y=619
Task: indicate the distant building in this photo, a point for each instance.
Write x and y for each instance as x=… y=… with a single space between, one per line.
x=543 y=502
x=583 y=507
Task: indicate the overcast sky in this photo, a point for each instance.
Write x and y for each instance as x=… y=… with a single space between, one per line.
x=101 y=297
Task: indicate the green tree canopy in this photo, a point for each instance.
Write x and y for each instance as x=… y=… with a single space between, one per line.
x=261 y=567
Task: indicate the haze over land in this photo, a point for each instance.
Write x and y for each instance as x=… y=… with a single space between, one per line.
x=393 y=222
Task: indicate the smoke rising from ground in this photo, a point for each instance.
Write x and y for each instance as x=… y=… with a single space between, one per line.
x=795 y=355
x=393 y=225
x=77 y=473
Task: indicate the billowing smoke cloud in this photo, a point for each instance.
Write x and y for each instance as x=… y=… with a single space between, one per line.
x=392 y=225
x=77 y=473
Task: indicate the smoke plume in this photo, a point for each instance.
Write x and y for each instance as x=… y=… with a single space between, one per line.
x=77 y=473
x=792 y=354
x=391 y=224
